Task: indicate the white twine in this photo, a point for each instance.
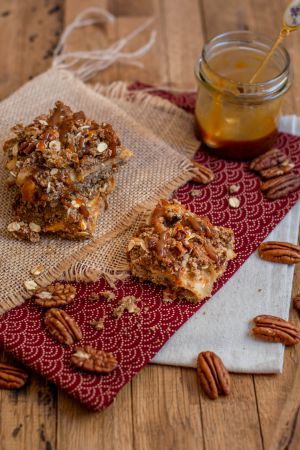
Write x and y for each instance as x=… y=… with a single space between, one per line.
x=85 y=64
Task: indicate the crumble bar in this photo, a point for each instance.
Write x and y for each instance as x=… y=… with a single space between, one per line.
x=181 y=250
x=63 y=165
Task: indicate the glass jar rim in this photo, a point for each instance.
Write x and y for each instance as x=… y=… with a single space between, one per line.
x=280 y=82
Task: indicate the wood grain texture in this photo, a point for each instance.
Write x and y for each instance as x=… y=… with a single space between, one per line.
x=162 y=408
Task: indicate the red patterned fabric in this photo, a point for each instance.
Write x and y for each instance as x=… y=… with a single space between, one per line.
x=135 y=339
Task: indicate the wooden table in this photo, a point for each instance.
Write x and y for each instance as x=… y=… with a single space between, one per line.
x=162 y=408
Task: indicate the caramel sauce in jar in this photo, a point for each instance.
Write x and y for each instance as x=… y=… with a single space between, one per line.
x=235 y=118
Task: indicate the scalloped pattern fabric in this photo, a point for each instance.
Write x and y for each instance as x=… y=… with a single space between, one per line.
x=135 y=339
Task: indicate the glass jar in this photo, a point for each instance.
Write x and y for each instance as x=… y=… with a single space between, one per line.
x=234 y=118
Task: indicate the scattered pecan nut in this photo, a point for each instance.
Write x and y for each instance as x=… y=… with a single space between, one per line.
x=213 y=376
x=279 y=252
x=280 y=186
x=296 y=301
x=12 y=377
x=272 y=158
x=281 y=169
x=202 y=174
x=275 y=329
x=92 y=360
x=62 y=327
x=55 y=295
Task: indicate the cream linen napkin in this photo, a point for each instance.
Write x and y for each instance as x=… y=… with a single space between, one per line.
x=222 y=324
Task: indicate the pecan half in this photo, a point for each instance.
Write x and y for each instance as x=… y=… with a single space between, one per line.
x=62 y=327
x=275 y=329
x=280 y=186
x=272 y=158
x=55 y=295
x=213 y=376
x=296 y=301
x=281 y=169
x=279 y=252
x=12 y=377
x=202 y=174
x=92 y=360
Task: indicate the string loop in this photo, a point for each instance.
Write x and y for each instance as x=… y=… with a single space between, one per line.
x=85 y=64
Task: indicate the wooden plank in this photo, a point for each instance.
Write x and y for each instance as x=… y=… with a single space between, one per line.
x=107 y=430
x=278 y=396
x=28 y=416
x=28 y=34
x=166 y=410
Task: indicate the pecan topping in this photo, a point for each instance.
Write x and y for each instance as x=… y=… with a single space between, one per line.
x=279 y=252
x=202 y=174
x=92 y=360
x=272 y=158
x=275 y=329
x=62 y=327
x=296 y=301
x=55 y=295
x=213 y=376
x=281 y=169
x=12 y=377
x=280 y=186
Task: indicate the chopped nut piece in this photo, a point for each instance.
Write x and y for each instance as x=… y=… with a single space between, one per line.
x=34 y=227
x=101 y=147
x=37 y=270
x=108 y=295
x=97 y=324
x=93 y=297
x=194 y=193
x=127 y=303
x=234 y=188
x=14 y=226
x=234 y=202
x=30 y=285
x=202 y=174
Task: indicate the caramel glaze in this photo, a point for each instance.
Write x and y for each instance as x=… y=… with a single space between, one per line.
x=239 y=150
x=157 y=221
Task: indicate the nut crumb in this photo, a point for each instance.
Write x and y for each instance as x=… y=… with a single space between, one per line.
x=37 y=270
x=93 y=297
x=108 y=295
x=97 y=324
x=127 y=303
x=194 y=192
x=234 y=188
x=30 y=285
x=234 y=202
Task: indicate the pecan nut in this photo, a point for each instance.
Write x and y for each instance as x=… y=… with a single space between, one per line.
x=12 y=377
x=296 y=301
x=213 y=376
x=272 y=158
x=279 y=252
x=281 y=169
x=92 y=360
x=62 y=327
x=55 y=295
x=275 y=329
x=280 y=186
x=202 y=174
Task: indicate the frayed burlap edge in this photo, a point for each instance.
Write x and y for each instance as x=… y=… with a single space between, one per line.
x=64 y=269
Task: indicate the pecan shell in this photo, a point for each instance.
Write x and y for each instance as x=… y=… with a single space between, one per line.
x=280 y=186
x=55 y=295
x=12 y=377
x=202 y=174
x=213 y=376
x=92 y=360
x=279 y=252
x=281 y=169
x=62 y=327
x=296 y=301
x=275 y=329
x=272 y=158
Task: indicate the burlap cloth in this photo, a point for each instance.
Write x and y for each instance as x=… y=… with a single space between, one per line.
x=158 y=167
